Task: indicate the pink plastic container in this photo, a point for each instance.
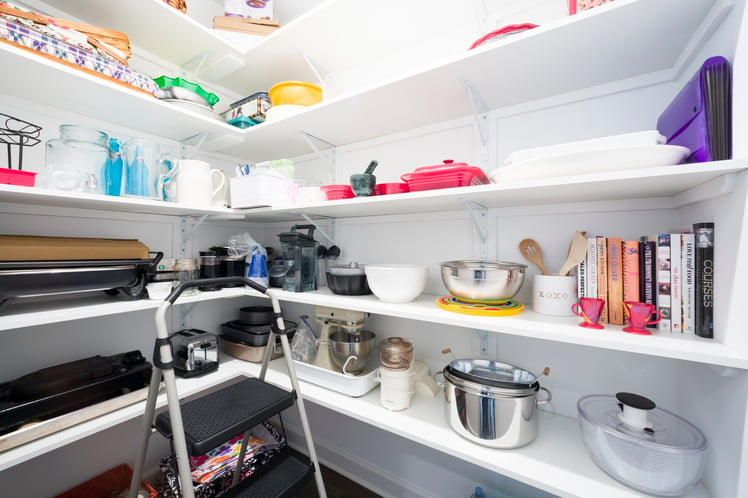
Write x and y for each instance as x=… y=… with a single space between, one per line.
x=391 y=188
x=447 y=175
x=336 y=192
x=16 y=177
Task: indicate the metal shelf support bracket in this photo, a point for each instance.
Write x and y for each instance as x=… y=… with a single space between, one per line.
x=478 y=215
x=480 y=111
x=188 y=147
x=330 y=238
x=481 y=15
x=186 y=231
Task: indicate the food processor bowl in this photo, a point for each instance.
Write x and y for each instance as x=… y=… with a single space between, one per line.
x=395 y=353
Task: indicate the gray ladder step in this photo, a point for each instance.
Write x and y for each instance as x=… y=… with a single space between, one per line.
x=221 y=415
x=281 y=480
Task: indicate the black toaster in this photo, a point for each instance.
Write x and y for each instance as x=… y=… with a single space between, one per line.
x=195 y=352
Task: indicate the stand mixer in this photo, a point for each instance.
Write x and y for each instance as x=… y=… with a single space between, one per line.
x=333 y=319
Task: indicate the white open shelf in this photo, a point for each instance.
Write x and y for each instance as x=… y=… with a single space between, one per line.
x=526 y=324
x=683 y=183
x=557 y=453
x=22 y=312
x=71 y=90
x=535 y=325
x=385 y=106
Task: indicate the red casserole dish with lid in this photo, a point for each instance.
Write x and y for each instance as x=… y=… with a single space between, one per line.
x=447 y=175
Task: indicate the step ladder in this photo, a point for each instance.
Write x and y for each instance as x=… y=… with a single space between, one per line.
x=197 y=426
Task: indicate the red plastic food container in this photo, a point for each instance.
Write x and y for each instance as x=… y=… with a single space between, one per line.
x=335 y=192
x=580 y=5
x=447 y=175
x=390 y=188
x=16 y=177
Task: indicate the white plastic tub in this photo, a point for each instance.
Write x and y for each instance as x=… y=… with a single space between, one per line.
x=262 y=189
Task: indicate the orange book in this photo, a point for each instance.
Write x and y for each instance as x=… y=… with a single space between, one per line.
x=602 y=275
x=630 y=270
x=615 y=281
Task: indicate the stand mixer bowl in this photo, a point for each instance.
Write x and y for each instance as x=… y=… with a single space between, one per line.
x=350 y=351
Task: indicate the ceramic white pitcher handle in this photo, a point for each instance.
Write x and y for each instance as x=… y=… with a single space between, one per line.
x=221 y=184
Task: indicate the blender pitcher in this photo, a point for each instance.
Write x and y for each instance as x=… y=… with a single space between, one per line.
x=300 y=258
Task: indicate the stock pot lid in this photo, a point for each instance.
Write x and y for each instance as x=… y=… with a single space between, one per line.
x=492 y=373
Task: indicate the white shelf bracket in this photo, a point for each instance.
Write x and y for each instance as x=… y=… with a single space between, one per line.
x=186 y=230
x=312 y=67
x=188 y=147
x=327 y=236
x=195 y=65
x=184 y=313
x=308 y=137
x=710 y=189
x=481 y=15
x=726 y=371
x=478 y=215
x=480 y=111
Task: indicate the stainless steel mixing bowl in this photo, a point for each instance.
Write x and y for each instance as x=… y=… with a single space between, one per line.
x=352 y=347
x=481 y=280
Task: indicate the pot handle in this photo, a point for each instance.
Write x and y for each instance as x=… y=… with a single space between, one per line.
x=438 y=381
x=544 y=400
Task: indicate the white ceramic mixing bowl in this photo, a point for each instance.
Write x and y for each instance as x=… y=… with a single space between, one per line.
x=396 y=283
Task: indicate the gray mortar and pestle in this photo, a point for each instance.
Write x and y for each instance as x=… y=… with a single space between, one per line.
x=363 y=184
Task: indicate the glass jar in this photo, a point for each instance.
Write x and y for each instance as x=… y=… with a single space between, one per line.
x=186 y=269
x=75 y=161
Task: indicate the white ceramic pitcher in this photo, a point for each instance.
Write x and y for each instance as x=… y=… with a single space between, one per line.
x=196 y=182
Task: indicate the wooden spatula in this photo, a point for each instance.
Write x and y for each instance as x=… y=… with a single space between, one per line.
x=577 y=253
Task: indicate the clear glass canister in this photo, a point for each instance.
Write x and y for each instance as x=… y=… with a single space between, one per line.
x=186 y=269
x=75 y=161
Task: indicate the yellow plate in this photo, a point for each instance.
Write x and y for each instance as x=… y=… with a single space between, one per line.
x=478 y=301
x=450 y=303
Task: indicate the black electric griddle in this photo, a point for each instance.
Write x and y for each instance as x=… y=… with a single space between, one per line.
x=61 y=389
x=46 y=278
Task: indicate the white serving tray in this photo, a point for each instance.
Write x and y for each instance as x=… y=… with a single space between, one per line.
x=592 y=161
x=636 y=139
x=351 y=385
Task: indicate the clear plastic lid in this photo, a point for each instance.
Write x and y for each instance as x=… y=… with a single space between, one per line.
x=663 y=430
x=492 y=373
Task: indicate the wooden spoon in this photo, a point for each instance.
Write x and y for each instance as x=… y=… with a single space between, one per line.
x=532 y=253
x=577 y=253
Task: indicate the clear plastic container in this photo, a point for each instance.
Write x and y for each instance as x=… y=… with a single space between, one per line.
x=661 y=454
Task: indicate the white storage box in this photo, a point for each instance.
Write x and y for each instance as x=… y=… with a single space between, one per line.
x=262 y=189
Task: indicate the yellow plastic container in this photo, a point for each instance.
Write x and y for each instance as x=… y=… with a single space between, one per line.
x=295 y=93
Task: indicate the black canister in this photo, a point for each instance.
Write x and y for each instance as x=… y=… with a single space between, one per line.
x=232 y=266
x=210 y=267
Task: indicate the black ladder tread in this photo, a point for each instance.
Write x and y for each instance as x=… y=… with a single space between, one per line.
x=219 y=416
x=282 y=480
